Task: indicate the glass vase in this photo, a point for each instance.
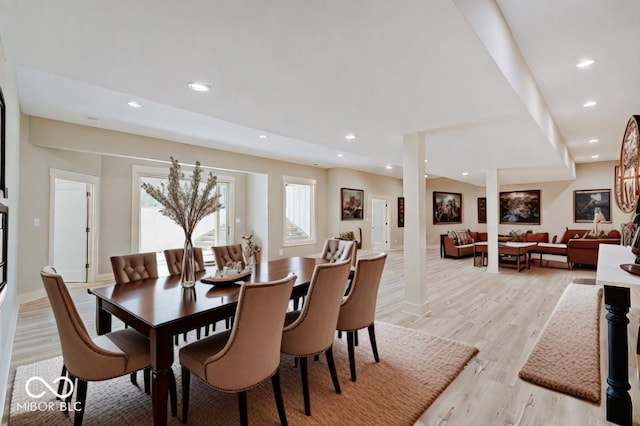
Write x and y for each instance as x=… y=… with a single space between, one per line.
x=188 y=273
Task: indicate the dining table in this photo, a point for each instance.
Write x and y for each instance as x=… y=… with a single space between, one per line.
x=160 y=308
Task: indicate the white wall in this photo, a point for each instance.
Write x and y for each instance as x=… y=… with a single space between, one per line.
x=8 y=299
x=372 y=185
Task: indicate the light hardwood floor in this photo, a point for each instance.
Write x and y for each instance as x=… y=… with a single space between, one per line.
x=501 y=314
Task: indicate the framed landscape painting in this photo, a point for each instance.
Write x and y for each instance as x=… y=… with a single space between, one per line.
x=447 y=207
x=520 y=207
x=592 y=204
x=352 y=204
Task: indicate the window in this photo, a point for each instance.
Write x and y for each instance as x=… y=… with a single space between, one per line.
x=157 y=232
x=299 y=208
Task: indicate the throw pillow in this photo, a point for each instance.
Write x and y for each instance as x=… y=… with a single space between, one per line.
x=464 y=237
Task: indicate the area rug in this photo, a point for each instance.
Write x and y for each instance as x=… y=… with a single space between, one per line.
x=566 y=357
x=415 y=368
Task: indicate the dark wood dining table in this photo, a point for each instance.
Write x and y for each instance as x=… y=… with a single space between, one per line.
x=160 y=308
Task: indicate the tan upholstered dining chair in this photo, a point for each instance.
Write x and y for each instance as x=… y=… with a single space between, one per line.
x=105 y=357
x=238 y=360
x=336 y=250
x=173 y=257
x=358 y=309
x=227 y=255
x=133 y=267
x=311 y=330
x=174 y=260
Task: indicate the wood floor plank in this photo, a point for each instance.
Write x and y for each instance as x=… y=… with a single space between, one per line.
x=501 y=314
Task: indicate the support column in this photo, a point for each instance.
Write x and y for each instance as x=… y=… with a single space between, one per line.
x=415 y=222
x=493 y=191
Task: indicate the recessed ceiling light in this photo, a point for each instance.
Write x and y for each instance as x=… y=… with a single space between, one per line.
x=594 y=140
x=426 y=161
x=595 y=156
x=389 y=167
x=590 y=104
x=340 y=155
x=350 y=136
x=134 y=104
x=263 y=136
x=585 y=63
x=465 y=173
x=199 y=87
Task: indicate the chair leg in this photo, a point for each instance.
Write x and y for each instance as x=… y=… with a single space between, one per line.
x=81 y=398
x=332 y=369
x=134 y=378
x=296 y=303
x=374 y=346
x=198 y=333
x=186 y=378
x=277 y=392
x=355 y=337
x=206 y=330
x=305 y=385
x=352 y=356
x=63 y=383
x=67 y=401
x=173 y=398
x=175 y=340
x=184 y=336
x=147 y=380
x=242 y=404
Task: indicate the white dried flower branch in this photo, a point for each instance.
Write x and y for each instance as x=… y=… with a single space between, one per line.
x=186 y=203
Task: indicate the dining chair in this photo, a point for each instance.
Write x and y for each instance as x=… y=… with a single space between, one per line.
x=336 y=250
x=242 y=358
x=133 y=267
x=173 y=257
x=174 y=260
x=104 y=357
x=227 y=255
x=311 y=330
x=358 y=309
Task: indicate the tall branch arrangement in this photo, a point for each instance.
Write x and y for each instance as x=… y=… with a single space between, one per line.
x=186 y=203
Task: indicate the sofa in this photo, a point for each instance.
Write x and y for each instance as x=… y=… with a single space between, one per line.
x=584 y=250
x=457 y=244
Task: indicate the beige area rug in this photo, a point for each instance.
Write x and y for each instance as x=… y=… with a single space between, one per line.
x=415 y=368
x=566 y=357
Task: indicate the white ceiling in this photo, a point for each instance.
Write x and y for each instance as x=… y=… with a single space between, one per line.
x=491 y=84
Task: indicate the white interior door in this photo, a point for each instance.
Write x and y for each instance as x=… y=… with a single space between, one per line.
x=71 y=229
x=380 y=224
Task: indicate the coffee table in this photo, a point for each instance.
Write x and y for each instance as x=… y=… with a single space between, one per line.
x=521 y=251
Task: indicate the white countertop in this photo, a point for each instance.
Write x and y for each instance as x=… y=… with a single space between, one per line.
x=610 y=257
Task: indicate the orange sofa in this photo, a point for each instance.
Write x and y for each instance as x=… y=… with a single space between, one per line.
x=584 y=251
x=453 y=250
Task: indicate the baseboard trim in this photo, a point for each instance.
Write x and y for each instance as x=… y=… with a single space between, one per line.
x=30 y=296
x=415 y=309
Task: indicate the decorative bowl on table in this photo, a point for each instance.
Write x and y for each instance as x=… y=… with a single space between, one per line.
x=227 y=276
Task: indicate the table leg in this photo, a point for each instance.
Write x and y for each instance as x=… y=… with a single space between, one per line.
x=161 y=361
x=103 y=319
x=617 y=302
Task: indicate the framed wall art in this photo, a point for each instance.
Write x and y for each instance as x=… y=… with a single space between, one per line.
x=447 y=207
x=400 y=212
x=592 y=205
x=520 y=207
x=482 y=210
x=352 y=201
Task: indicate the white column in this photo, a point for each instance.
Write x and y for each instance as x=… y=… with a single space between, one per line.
x=415 y=224
x=493 y=191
